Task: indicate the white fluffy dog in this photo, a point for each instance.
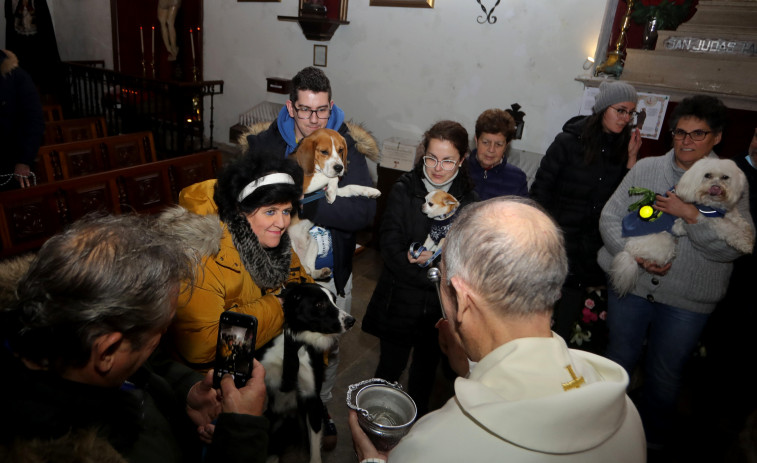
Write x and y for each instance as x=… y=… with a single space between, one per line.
x=716 y=183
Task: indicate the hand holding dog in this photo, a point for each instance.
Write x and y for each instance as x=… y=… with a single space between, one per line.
x=248 y=400
x=421 y=259
x=363 y=446
x=675 y=206
x=672 y=204
x=652 y=267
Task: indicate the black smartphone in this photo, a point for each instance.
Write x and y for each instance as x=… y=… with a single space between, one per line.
x=235 y=349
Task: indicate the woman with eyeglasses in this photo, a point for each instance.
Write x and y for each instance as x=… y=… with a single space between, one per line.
x=669 y=306
x=577 y=175
x=404 y=307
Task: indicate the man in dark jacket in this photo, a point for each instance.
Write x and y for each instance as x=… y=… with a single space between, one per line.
x=77 y=355
x=21 y=124
x=310 y=108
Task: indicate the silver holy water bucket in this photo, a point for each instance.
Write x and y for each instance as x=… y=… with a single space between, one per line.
x=384 y=410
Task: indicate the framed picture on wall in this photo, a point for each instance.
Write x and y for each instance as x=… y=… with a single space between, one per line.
x=320 y=53
x=404 y=3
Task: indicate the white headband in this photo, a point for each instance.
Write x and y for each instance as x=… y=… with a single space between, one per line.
x=262 y=181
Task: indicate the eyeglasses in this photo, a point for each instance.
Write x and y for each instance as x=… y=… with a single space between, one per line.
x=696 y=135
x=320 y=113
x=447 y=164
x=623 y=113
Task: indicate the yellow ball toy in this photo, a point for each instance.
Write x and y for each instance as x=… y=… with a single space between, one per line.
x=646 y=212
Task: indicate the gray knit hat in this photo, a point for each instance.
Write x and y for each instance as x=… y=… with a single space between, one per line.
x=612 y=92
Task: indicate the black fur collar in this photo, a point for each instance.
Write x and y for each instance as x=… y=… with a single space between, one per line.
x=268 y=267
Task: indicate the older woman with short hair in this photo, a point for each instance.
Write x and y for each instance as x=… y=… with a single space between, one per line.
x=488 y=166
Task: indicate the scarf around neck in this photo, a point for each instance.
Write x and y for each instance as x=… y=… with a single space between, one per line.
x=285 y=124
x=268 y=267
x=431 y=186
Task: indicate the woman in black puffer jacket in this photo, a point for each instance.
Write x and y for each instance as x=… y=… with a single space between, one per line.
x=578 y=174
x=404 y=307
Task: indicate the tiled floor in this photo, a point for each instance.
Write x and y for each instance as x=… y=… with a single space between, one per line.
x=359 y=354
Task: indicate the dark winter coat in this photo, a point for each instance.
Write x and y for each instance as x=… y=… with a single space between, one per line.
x=145 y=423
x=502 y=179
x=21 y=121
x=751 y=176
x=404 y=298
x=346 y=216
x=574 y=194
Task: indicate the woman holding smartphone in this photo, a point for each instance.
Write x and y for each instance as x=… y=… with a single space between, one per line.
x=254 y=199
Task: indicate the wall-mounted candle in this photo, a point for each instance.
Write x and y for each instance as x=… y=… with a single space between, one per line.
x=192 y=42
x=153 y=42
x=141 y=41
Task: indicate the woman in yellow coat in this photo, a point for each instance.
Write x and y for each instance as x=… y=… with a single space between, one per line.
x=254 y=199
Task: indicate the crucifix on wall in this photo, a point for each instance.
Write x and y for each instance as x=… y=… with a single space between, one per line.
x=176 y=52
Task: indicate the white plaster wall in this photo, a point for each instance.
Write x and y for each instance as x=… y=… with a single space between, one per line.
x=397 y=70
x=83 y=30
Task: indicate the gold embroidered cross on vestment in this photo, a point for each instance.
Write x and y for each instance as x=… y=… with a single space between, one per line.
x=575 y=383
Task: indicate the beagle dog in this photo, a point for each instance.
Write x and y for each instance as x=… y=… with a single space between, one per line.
x=323 y=157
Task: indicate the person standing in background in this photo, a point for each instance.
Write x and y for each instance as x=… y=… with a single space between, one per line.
x=310 y=107
x=488 y=166
x=577 y=175
x=21 y=124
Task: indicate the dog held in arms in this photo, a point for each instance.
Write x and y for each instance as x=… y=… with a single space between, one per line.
x=440 y=206
x=323 y=157
x=716 y=184
x=294 y=363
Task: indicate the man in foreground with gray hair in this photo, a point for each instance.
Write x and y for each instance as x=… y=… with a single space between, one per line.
x=76 y=351
x=528 y=397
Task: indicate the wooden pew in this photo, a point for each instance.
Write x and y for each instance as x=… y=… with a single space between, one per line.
x=52 y=112
x=69 y=130
x=28 y=217
x=69 y=160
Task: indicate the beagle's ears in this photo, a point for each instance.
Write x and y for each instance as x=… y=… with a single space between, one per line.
x=343 y=153
x=305 y=155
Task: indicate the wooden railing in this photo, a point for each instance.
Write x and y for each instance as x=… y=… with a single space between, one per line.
x=176 y=112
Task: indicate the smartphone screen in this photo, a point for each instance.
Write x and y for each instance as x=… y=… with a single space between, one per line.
x=235 y=348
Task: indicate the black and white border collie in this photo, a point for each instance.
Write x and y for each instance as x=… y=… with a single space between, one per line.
x=294 y=361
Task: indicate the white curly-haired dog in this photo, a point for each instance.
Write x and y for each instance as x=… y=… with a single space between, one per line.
x=716 y=183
